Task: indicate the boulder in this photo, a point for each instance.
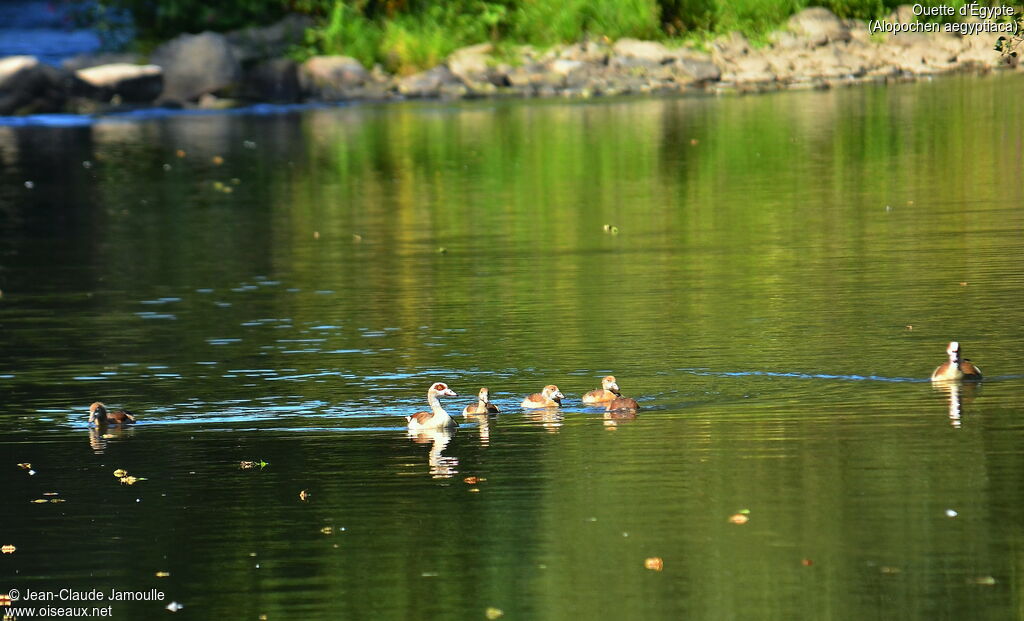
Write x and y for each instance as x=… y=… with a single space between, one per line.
x=471 y=64
x=85 y=61
x=129 y=83
x=428 y=83
x=647 y=51
x=261 y=42
x=331 y=78
x=28 y=86
x=699 y=69
x=275 y=80
x=818 y=26
x=196 y=64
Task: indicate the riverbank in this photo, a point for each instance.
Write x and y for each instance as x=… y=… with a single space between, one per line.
x=816 y=49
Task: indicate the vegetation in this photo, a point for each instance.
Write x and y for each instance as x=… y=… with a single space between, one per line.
x=405 y=35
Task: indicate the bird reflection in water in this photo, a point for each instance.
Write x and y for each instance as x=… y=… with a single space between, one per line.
x=483 y=423
x=441 y=466
x=549 y=418
x=959 y=394
x=100 y=436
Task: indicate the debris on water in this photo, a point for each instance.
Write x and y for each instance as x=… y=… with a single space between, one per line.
x=984 y=580
x=357 y=237
x=180 y=153
x=909 y=326
x=25 y=466
x=162 y=574
x=888 y=208
x=87 y=164
x=304 y=495
x=249 y=465
x=654 y=563
x=51 y=493
x=29 y=185
x=167 y=167
x=951 y=513
x=120 y=473
x=327 y=530
x=217 y=160
x=741 y=517
x=886 y=569
x=129 y=480
x=806 y=562
x=493 y=613
x=8 y=549
x=236 y=181
x=174 y=606
x=249 y=144
x=963 y=283
x=40 y=500
x=474 y=490
x=316 y=234
x=442 y=250
x=694 y=142
x=472 y=480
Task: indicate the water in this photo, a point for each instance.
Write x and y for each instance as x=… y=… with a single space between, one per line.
x=787 y=271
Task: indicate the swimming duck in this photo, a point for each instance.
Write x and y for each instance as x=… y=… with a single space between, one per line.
x=99 y=415
x=549 y=397
x=622 y=404
x=436 y=417
x=956 y=368
x=608 y=391
x=482 y=405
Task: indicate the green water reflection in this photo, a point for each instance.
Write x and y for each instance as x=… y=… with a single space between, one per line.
x=787 y=269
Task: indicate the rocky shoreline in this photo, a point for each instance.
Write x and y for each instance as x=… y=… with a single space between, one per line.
x=212 y=70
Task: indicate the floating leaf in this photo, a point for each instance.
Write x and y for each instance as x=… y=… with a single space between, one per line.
x=471 y=480
x=327 y=530
x=57 y=500
x=180 y=153
x=40 y=500
x=25 y=466
x=174 y=606
x=493 y=613
x=8 y=549
x=120 y=473
x=304 y=495
x=739 y=518
x=217 y=160
x=654 y=563
x=162 y=574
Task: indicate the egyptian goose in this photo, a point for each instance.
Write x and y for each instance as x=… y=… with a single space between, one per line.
x=100 y=416
x=482 y=405
x=549 y=397
x=622 y=404
x=956 y=368
x=436 y=417
x=608 y=391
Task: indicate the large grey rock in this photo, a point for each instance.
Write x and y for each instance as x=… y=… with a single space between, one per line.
x=699 y=69
x=332 y=78
x=28 y=86
x=195 y=65
x=129 y=83
x=648 y=51
x=260 y=42
x=428 y=83
x=819 y=26
x=275 y=80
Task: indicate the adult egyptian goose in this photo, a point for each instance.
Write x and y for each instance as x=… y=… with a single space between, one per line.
x=621 y=404
x=436 y=417
x=100 y=416
x=608 y=391
x=482 y=405
x=549 y=397
x=956 y=368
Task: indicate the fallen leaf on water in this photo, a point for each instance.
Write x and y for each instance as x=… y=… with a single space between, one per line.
x=162 y=574
x=739 y=518
x=471 y=480
x=120 y=473
x=25 y=466
x=57 y=500
x=327 y=530
x=474 y=489
x=909 y=327
x=304 y=495
x=963 y=284
x=493 y=613
x=984 y=580
x=885 y=569
x=51 y=493
x=129 y=480
x=40 y=500
x=217 y=160
x=174 y=606
x=8 y=549
x=806 y=562
x=180 y=153
x=654 y=563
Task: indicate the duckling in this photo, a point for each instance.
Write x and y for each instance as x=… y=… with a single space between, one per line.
x=436 y=417
x=956 y=368
x=482 y=405
x=622 y=404
x=100 y=416
x=608 y=391
x=549 y=397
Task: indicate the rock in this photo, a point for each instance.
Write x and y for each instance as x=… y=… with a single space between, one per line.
x=819 y=26
x=699 y=69
x=903 y=14
x=731 y=45
x=427 y=83
x=28 y=86
x=196 y=64
x=129 y=83
x=564 y=67
x=587 y=52
x=331 y=78
x=648 y=51
x=471 y=64
x=275 y=80
x=85 y=61
x=271 y=41
x=748 y=70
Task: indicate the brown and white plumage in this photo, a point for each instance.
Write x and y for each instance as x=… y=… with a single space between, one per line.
x=622 y=404
x=956 y=368
x=482 y=405
x=608 y=391
x=436 y=417
x=549 y=397
x=99 y=415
